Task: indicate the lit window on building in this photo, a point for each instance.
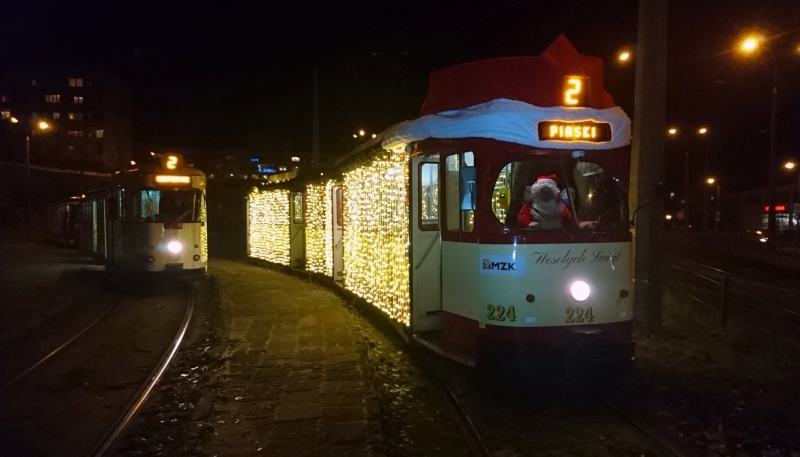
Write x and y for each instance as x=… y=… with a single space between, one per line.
x=76 y=133
x=77 y=99
x=56 y=115
x=4 y=98
x=98 y=133
x=75 y=82
x=34 y=82
x=52 y=98
x=75 y=116
x=5 y=114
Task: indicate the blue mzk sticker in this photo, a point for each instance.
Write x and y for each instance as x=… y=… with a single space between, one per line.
x=502 y=265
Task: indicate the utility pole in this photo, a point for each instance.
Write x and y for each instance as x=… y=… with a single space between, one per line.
x=315 y=121
x=28 y=179
x=647 y=161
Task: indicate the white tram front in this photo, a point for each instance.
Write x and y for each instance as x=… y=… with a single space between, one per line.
x=151 y=220
x=494 y=225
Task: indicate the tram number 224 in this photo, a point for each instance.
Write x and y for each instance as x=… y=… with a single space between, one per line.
x=500 y=313
x=574 y=315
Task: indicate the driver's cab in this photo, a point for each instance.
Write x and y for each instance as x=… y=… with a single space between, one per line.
x=576 y=194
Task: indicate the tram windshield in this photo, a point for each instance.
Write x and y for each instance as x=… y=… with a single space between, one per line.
x=558 y=194
x=168 y=206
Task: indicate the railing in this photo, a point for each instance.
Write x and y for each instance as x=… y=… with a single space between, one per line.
x=767 y=308
x=780 y=253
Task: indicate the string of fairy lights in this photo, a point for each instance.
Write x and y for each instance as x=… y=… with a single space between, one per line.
x=375 y=236
x=268 y=225
x=318 y=221
x=203 y=231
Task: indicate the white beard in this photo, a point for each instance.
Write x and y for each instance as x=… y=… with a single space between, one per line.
x=547 y=214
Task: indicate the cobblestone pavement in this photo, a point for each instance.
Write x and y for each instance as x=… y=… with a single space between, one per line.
x=294 y=380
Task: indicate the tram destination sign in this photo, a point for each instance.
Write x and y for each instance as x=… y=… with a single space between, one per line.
x=593 y=132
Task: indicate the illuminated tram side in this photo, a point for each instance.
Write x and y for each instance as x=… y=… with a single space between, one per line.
x=428 y=214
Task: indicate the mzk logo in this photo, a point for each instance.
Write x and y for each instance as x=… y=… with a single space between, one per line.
x=499 y=266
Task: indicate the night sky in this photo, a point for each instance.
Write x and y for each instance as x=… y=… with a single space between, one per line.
x=231 y=75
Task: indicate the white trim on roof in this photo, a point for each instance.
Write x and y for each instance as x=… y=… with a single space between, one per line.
x=508 y=120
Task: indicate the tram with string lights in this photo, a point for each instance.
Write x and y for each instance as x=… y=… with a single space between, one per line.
x=149 y=220
x=493 y=226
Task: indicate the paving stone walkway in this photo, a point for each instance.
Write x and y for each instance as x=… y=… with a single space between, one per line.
x=296 y=381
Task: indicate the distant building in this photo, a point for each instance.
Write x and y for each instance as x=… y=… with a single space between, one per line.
x=89 y=118
x=750 y=208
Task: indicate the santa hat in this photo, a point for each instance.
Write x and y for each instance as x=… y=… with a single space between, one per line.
x=542 y=182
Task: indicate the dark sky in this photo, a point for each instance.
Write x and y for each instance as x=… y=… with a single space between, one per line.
x=225 y=74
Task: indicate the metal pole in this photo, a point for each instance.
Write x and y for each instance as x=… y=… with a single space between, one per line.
x=647 y=160
x=705 y=189
x=27 y=179
x=773 y=143
x=718 y=215
x=686 y=188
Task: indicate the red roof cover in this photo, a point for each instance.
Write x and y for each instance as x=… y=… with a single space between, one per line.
x=534 y=80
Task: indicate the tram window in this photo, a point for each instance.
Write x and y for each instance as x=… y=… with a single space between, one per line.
x=583 y=189
x=429 y=196
x=297 y=214
x=155 y=205
x=458 y=220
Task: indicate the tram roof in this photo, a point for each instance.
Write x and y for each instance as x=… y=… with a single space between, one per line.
x=536 y=80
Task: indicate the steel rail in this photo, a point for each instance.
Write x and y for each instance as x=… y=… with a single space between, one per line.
x=740 y=320
x=768 y=306
x=645 y=429
x=58 y=349
x=474 y=441
x=147 y=388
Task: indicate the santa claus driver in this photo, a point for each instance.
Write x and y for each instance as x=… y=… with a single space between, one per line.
x=545 y=210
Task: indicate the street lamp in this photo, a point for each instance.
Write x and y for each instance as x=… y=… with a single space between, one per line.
x=40 y=125
x=749 y=46
x=795 y=208
x=674 y=132
x=711 y=182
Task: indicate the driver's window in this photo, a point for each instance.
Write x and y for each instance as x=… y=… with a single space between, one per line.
x=548 y=194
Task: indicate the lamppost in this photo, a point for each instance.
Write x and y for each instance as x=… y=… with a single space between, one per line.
x=717 y=214
x=29 y=129
x=795 y=208
x=748 y=46
x=674 y=132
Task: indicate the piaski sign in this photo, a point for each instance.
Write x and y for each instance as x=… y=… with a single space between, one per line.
x=568 y=259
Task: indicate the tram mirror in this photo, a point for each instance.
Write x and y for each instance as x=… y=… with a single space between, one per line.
x=466 y=187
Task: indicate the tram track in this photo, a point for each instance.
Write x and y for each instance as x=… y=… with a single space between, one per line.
x=144 y=392
x=58 y=405
x=473 y=437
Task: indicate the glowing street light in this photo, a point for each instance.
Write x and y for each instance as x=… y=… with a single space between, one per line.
x=795 y=208
x=624 y=56
x=749 y=44
x=701 y=131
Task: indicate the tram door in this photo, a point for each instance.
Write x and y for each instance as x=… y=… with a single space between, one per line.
x=426 y=256
x=336 y=223
x=297 y=235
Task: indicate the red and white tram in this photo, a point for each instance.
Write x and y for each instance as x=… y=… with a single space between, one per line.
x=495 y=224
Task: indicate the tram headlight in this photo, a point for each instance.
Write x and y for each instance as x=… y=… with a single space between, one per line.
x=579 y=290
x=174 y=247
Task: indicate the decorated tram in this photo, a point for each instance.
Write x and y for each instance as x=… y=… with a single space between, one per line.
x=492 y=226
x=151 y=219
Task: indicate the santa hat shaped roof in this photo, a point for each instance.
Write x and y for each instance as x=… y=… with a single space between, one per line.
x=536 y=80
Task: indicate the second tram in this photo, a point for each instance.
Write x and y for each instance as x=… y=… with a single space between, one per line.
x=149 y=220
